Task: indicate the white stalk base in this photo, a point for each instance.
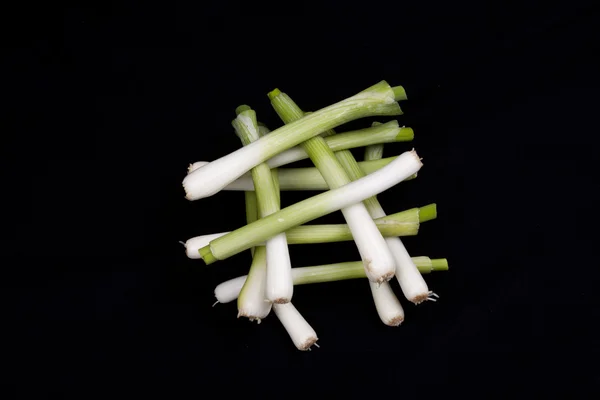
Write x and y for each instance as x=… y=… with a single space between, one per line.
x=387 y=304
x=280 y=285
x=377 y=258
x=301 y=333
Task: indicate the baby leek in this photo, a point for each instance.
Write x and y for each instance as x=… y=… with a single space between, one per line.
x=278 y=286
x=378 y=99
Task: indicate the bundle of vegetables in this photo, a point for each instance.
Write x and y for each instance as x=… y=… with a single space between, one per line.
x=348 y=186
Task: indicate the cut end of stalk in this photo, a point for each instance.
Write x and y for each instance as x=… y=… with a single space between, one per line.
x=419 y=299
x=274 y=93
x=399 y=93
x=241 y=109
x=207 y=255
x=428 y=212
x=188 y=195
x=376 y=274
x=405 y=135
x=413 y=152
x=385 y=278
x=439 y=264
x=396 y=321
x=251 y=318
x=308 y=343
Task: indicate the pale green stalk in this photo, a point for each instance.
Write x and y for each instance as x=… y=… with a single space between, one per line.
x=405 y=223
x=262 y=131
x=251 y=210
x=314 y=207
x=228 y=291
x=251 y=301
x=352 y=270
x=385 y=133
x=378 y=260
x=273 y=278
x=378 y=99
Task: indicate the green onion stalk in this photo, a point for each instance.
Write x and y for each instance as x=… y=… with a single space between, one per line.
x=404 y=223
x=293 y=179
x=377 y=100
x=389 y=132
x=229 y=290
x=273 y=276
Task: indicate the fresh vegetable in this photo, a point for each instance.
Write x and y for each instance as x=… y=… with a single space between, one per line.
x=405 y=223
x=228 y=291
x=299 y=178
x=377 y=100
x=347 y=185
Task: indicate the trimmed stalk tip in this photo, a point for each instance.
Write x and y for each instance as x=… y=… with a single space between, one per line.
x=399 y=93
x=274 y=93
x=405 y=134
x=242 y=108
x=428 y=212
x=207 y=255
x=439 y=264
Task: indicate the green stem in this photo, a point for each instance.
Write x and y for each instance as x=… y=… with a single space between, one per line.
x=251 y=207
x=251 y=210
x=246 y=128
x=399 y=93
x=227 y=291
x=405 y=223
x=389 y=132
x=428 y=213
x=206 y=181
x=272 y=279
x=354 y=270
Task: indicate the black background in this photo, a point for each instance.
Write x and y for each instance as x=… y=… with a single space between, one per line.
x=105 y=108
